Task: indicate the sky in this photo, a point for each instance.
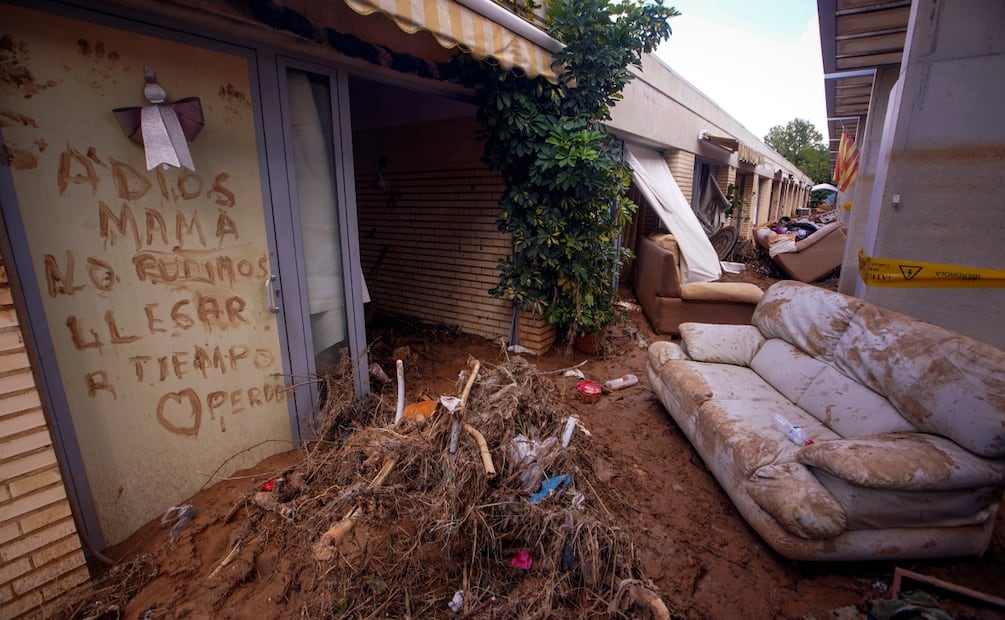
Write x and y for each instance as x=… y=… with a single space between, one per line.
x=759 y=61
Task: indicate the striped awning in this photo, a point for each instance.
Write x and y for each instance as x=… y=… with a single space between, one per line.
x=456 y=25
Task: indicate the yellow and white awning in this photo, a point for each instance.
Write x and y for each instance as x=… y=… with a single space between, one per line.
x=454 y=24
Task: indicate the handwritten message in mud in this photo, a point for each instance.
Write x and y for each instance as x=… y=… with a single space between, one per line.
x=165 y=298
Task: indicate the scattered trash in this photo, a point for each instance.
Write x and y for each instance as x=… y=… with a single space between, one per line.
x=568 y=548
x=457 y=602
x=731 y=267
x=881 y=586
x=622 y=382
x=419 y=412
x=450 y=402
x=578 y=501
x=589 y=391
x=522 y=560
x=548 y=486
x=795 y=433
x=570 y=426
x=377 y=373
x=520 y=350
x=268 y=486
x=627 y=305
x=574 y=372
x=531 y=457
x=182 y=515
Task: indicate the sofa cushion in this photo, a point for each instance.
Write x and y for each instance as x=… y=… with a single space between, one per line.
x=811 y=318
x=741 y=432
x=942 y=382
x=695 y=383
x=888 y=508
x=727 y=292
x=786 y=368
x=722 y=344
x=850 y=408
x=796 y=499
x=905 y=461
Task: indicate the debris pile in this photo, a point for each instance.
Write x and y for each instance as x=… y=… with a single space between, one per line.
x=381 y=518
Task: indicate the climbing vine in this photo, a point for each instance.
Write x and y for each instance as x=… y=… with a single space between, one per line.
x=566 y=180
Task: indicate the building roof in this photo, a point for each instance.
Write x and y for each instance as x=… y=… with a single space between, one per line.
x=857 y=37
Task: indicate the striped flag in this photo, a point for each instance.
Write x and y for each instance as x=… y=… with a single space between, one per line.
x=846 y=166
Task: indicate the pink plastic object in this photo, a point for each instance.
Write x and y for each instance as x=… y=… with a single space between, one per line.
x=522 y=560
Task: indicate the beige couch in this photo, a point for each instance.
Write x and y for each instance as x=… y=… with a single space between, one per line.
x=907 y=421
x=814 y=257
x=667 y=303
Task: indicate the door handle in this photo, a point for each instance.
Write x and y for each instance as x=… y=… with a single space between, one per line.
x=271 y=294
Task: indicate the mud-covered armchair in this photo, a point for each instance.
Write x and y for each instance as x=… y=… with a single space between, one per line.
x=667 y=302
x=810 y=258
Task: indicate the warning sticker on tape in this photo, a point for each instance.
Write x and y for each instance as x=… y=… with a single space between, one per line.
x=916 y=274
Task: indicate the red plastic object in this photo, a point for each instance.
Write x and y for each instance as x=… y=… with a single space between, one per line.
x=268 y=486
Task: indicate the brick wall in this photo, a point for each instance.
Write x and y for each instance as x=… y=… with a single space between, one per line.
x=724 y=177
x=40 y=553
x=681 y=164
x=428 y=239
x=751 y=191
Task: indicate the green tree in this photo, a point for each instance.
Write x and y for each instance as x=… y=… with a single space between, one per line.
x=800 y=143
x=565 y=201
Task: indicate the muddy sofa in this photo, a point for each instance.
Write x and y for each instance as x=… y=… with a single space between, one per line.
x=667 y=302
x=814 y=257
x=907 y=422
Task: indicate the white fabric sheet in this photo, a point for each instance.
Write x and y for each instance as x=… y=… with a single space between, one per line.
x=652 y=176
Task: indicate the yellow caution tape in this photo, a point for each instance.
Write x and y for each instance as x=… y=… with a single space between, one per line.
x=916 y=274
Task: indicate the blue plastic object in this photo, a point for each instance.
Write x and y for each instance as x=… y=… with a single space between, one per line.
x=549 y=485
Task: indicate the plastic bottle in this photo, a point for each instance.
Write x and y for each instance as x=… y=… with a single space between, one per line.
x=622 y=382
x=570 y=426
x=795 y=433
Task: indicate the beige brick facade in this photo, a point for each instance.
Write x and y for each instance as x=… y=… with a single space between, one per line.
x=681 y=164
x=40 y=552
x=417 y=270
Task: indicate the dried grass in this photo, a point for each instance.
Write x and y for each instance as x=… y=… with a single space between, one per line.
x=438 y=524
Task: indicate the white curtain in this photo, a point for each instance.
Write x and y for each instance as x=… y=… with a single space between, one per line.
x=318 y=216
x=652 y=175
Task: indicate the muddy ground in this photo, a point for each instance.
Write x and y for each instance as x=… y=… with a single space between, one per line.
x=691 y=541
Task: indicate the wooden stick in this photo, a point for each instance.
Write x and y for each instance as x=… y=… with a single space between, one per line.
x=900 y=575
x=324 y=549
x=483 y=447
x=227 y=559
x=455 y=424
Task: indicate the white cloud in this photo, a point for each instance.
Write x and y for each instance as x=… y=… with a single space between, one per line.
x=760 y=80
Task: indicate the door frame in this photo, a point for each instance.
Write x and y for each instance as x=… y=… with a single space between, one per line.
x=285 y=209
x=297 y=361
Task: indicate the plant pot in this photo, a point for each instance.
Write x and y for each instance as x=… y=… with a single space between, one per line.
x=588 y=343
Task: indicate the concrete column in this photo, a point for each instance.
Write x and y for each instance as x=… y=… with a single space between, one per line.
x=937 y=190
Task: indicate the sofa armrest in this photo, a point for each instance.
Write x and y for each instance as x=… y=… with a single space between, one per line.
x=721 y=344
x=663 y=351
x=903 y=461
